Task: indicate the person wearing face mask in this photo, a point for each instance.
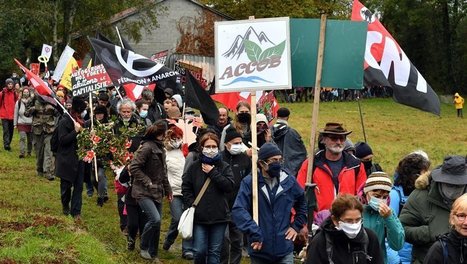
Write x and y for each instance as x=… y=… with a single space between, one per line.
x=452 y=247
x=342 y=239
x=272 y=241
x=212 y=214
x=142 y=108
x=175 y=161
x=69 y=168
x=425 y=215
x=262 y=130
x=241 y=123
x=8 y=99
x=23 y=123
x=150 y=185
x=364 y=152
x=241 y=166
x=378 y=216
x=335 y=171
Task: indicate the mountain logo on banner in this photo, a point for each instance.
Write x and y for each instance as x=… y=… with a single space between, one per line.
x=252 y=44
x=238 y=46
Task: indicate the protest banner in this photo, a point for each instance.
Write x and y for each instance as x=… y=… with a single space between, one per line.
x=160 y=57
x=89 y=80
x=197 y=72
x=35 y=68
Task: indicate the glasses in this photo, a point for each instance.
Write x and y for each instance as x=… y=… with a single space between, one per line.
x=336 y=138
x=352 y=221
x=461 y=217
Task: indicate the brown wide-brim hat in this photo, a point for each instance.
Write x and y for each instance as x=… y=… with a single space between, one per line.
x=334 y=129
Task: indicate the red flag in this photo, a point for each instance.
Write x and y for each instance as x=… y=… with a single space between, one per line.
x=133 y=91
x=41 y=87
x=386 y=64
x=230 y=100
x=268 y=105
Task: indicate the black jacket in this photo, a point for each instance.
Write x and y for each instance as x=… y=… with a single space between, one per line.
x=66 y=159
x=344 y=250
x=456 y=250
x=241 y=167
x=213 y=207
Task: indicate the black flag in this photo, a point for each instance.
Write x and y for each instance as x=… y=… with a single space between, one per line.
x=125 y=66
x=198 y=98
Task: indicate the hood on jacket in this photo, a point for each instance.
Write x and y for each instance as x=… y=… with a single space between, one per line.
x=279 y=130
x=423 y=181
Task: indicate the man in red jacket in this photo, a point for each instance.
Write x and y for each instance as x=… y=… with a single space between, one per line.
x=334 y=170
x=7 y=110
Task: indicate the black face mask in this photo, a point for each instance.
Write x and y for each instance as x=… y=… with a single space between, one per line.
x=367 y=164
x=244 y=118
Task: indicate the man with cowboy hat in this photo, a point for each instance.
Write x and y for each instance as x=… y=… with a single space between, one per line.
x=334 y=170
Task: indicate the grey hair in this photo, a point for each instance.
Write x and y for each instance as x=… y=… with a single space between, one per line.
x=128 y=102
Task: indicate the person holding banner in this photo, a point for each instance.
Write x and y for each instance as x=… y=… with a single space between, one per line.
x=272 y=240
x=70 y=169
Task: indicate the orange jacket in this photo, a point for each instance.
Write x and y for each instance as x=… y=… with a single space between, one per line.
x=322 y=177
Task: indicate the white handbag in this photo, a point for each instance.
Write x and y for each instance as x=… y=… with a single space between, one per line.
x=185 y=225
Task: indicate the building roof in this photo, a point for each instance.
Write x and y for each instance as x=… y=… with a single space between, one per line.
x=131 y=11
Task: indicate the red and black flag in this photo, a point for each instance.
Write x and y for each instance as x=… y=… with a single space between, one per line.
x=386 y=64
x=125 y=66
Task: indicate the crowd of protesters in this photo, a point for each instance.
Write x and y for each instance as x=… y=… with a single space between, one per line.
x=362 y=215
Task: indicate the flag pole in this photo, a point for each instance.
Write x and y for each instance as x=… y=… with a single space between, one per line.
x=309 y=186
x=63 y=108
x=361 y=118
x=92 y=129
x=123 y=46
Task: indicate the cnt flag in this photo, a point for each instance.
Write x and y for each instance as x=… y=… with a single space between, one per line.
x=125 y=66
x=386 y=64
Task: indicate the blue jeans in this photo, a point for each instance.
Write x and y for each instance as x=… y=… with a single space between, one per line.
x=152 y=229
x=207 y=242
x=232 y=245
x=102 y=181
x=287 y=259
x=176 y=210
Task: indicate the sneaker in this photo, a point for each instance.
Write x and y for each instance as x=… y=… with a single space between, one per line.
x=188 y=255
x=145 y=254
x=166 y=245
x=130 y=244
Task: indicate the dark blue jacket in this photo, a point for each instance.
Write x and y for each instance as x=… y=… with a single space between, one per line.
x=274 y=215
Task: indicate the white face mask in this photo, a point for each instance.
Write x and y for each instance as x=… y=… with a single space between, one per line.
x=210 y=152
x=175 y=143
x=235 y=149
x=351 y=230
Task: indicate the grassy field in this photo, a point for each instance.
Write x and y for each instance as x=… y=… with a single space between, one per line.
x=33 y=230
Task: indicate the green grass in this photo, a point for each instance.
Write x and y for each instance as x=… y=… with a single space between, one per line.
x=33 y=230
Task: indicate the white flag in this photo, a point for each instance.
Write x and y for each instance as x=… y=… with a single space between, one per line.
x=46 y=51
x=66 y=56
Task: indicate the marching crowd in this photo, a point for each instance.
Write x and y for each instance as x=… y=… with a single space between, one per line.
x=363 y=215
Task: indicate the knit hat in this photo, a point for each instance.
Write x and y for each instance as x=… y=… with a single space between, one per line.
x=78 y=104
x=100 y=109
x=283 y=112
x=378 y=180
x=362 y=150
x=178 y=99
x=9 y=80
x=169 y=91
x=231 y=134
x=268 y=150
x=348 y=145
x=173 y=112
x=261 y=118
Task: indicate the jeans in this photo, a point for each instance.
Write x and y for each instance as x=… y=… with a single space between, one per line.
x=232 y=246
x=287 y=259
x=121 y=207
x=136 y=220
x=101 y=184
x=207 y=242
x=152 y=229
x=45 y=162
x=8 y=129
x=76 y=195
x=176 y=210
x=25 y=142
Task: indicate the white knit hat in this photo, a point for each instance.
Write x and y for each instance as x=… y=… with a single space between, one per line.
x=378 y=180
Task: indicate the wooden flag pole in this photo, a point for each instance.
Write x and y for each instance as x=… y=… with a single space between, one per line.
x=254 y=155
x=92 y=129
x=314 y=118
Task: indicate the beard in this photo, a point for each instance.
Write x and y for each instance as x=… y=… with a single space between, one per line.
x=336 y=149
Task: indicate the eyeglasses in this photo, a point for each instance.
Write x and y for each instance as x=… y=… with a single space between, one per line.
x=461 y=217
x=336 y=138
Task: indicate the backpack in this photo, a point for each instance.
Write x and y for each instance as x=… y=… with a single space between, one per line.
x=330 y=246
x=442 y=239
x=54 y=139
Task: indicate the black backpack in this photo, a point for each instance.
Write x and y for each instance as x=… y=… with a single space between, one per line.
x=330 y=246
x=54 y=140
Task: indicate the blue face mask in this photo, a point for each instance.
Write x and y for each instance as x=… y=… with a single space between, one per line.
x=143 y=113
x=375 y=202
x=274 y=169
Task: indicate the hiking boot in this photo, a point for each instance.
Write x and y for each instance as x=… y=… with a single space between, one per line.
x=166 y=245
x=145 y=254
x=130 y=244
x=188 y=255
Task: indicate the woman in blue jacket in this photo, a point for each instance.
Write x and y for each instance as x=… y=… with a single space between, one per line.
x=378 y=216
